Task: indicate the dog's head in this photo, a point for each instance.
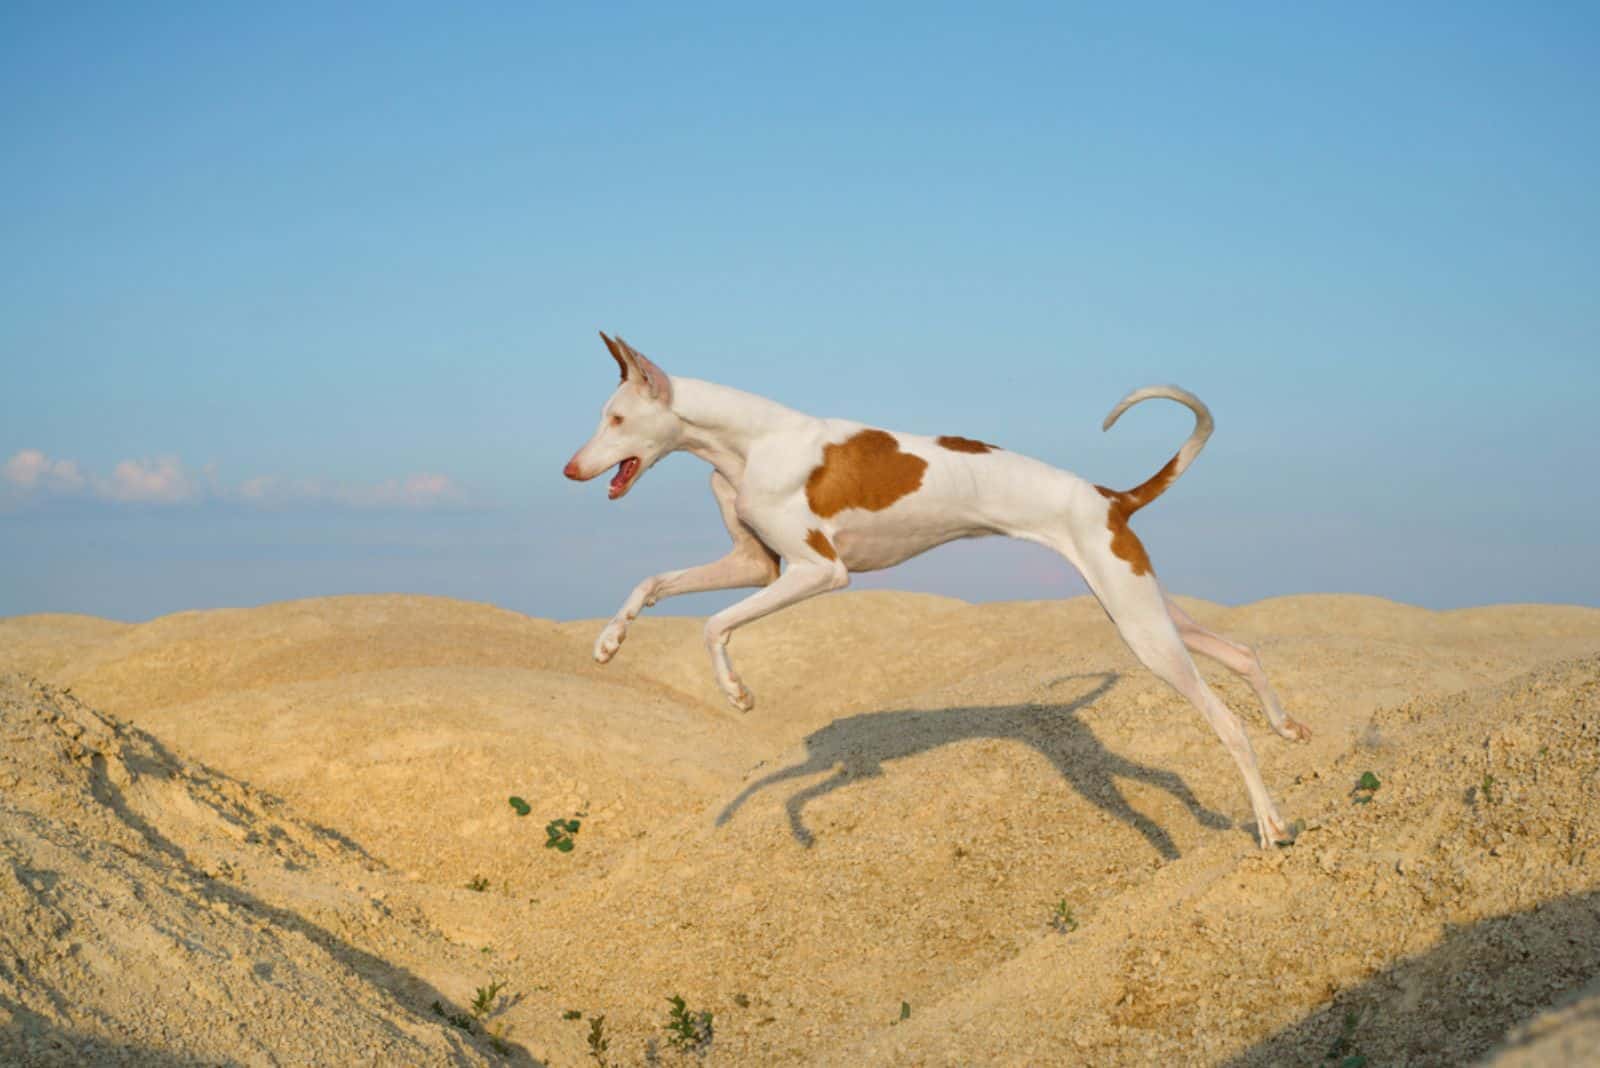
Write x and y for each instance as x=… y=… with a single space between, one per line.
x=637 y=424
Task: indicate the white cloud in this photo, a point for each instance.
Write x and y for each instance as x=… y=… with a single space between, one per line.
x=165 y=480
x=32 y=469
x=162 y=481
x=418 y=491
x=259 y=489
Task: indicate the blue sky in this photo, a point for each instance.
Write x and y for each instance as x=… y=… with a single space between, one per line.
x=302 y=299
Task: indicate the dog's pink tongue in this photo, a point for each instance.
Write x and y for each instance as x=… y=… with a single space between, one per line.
x=625 y=471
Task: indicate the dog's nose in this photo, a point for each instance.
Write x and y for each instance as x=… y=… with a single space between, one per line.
x=571 y=470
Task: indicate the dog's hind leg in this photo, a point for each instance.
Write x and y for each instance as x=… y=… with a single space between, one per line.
x=1135 y=603
x=1242 y=661
x=749 y=563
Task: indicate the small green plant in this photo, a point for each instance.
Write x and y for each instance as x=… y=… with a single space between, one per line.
x=484 y=998
x=522 y=807
x=1486 y=788
x=1061 y=918
x=572 y=1014
x=478 y=884
x=905 y=1010
x=598 y=1042
x=1343 y=1049
x=1365 y=787
x=484 y=1001
x=688 y=1032
x=558 y=834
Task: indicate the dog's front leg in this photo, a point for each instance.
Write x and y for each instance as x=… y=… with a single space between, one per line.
x=810 y=573
x=749 y=563
x=732 y=571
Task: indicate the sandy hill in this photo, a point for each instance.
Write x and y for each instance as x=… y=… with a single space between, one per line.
x=864 y=870
x=154 y=911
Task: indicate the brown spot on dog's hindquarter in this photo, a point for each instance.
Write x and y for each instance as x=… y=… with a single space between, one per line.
x=1124 y=542
x=819 y=541
x=1150 y=488
x=868 y=470
x=955 y=444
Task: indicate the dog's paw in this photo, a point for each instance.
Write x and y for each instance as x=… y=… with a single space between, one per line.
x=1275 y=833
x=610 y=640
x=1295 y=731
x=739 y=696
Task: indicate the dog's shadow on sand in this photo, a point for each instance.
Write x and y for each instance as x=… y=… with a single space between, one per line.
x=857 y=747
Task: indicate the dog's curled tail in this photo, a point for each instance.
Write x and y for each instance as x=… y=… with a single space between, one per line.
x=1133 y=500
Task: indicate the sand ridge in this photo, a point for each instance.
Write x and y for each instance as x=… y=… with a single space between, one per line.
x=921 y=782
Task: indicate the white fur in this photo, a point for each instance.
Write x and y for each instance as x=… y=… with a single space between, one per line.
x=763 y=453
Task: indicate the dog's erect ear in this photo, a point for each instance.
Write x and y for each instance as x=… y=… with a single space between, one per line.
x=652 y=379
x=638 y=369
x=616 y=354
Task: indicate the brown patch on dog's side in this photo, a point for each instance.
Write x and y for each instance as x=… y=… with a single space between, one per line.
x=1124 y=542
x=819 y=541
x=866 y=471
x=955 y=444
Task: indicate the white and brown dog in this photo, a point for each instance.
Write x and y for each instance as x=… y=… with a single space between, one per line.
x=831 y=496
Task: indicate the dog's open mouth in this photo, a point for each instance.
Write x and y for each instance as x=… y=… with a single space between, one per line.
x=627 y=471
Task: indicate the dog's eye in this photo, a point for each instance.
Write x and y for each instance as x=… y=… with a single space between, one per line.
x=616 y=420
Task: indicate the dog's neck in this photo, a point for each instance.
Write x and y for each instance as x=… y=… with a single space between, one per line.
x=721 y=423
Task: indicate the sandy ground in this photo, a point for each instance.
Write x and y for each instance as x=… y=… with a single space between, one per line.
x=247 y=836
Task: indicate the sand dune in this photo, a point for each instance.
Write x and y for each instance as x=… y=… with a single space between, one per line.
x=154 y=911
x=312 y=786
